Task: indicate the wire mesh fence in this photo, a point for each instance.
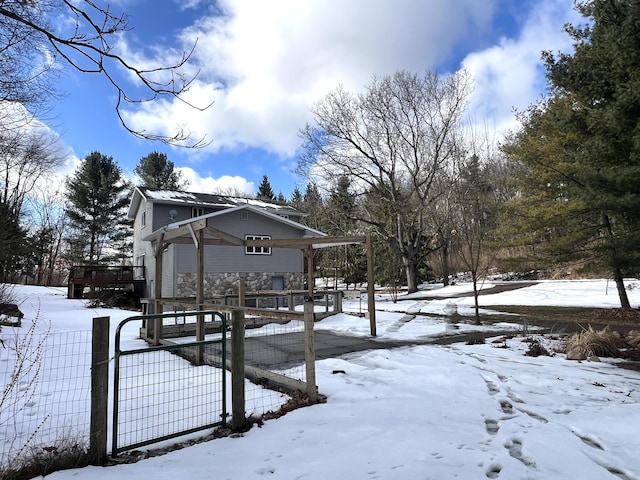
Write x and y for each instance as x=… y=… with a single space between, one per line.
x=161 y=395
x=275 y=360
x=46 y=399
x=274 y=353
x=167 y=390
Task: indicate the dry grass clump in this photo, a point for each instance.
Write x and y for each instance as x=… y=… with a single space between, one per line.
x=33 y=462
x=588 y=343
x=633 y=339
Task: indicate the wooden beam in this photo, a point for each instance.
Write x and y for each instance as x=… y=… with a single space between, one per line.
x=206 y=241
x=315 y=242
x=159 y=245
x=185 y=230
x=230 y=239
x=196 y=241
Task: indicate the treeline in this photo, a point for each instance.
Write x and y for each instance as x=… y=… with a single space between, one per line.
x=46 y=228
x=562 y=188
x=402 y=161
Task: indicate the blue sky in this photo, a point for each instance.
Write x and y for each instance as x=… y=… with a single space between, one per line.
x=265 y=63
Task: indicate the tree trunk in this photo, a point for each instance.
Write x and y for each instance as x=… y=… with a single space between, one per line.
x=412 y=281
x=617 y=273
x=475 y=299
x=445 y=264
x=622 y=292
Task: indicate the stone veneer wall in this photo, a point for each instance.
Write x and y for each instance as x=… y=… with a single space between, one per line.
x=227 y=283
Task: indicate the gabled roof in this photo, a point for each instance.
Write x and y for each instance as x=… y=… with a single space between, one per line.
x=205 y=220
x=207 y=200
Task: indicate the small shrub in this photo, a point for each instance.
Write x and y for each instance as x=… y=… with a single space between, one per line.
x=536 y=349
x=476 y=340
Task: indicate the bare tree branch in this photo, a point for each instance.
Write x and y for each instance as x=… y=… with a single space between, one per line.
x=90 y=49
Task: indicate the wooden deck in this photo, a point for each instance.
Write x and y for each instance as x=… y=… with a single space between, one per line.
x=103 y=277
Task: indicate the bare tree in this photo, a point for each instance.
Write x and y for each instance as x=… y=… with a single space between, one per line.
x=48 y=229
x=25 y=71
x=475 y=201
x=26 y=156
x=30 y=45
x=392 y=141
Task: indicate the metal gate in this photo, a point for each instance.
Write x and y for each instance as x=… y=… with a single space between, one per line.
x=165 y=391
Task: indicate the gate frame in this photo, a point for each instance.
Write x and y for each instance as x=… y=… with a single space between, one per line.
x=115 y=450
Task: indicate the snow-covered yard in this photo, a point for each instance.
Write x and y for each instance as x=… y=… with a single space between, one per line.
x=423 y=412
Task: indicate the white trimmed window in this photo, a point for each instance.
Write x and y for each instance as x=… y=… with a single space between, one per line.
x=197 y=212
x=143 y=219
x=251 y=250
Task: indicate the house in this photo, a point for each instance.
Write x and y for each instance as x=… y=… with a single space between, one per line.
x=233 y=232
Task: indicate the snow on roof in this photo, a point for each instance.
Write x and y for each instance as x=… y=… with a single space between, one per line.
x=211 y=199
x=168 y=195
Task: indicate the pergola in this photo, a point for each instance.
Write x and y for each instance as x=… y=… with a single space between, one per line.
x=199 y=233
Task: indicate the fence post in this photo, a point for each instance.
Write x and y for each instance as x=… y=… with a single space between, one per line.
x=310 y=349
x=242 y=293
x=99 y=390
x=238 y=410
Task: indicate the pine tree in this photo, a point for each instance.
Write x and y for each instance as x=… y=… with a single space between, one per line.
x=97 y=197
x=296 y=199
x=313 y=205
x=158 y=173
x=340 y=220
x=265 y=192
x=582 y=145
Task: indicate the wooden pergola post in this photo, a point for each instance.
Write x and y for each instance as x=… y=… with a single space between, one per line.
x=157 y=287
x=310 y=273
x=200 y=330
x=371 y=290
x=242 y=293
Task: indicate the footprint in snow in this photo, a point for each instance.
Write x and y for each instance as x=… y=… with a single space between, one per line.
x=506 y=407
x=494 y=471
x=514 y=446
x=493 y=388
x=491 y=425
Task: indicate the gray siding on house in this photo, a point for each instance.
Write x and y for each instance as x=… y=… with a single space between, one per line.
x=142 y=252
x=224 y=265
x=161 y=216
x=169 y=272
x=234 y=259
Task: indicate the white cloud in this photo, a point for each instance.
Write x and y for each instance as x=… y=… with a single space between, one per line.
x=265 y=63
x=510 y=75
x=223 y=185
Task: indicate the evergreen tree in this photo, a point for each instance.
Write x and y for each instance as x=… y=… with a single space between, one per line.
x=340 y=220
x=14 y=243
x=265 y=192
x=158 y=173
x=296 y=199
x=97 y=197
x=313 y=206
x=582 y=145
